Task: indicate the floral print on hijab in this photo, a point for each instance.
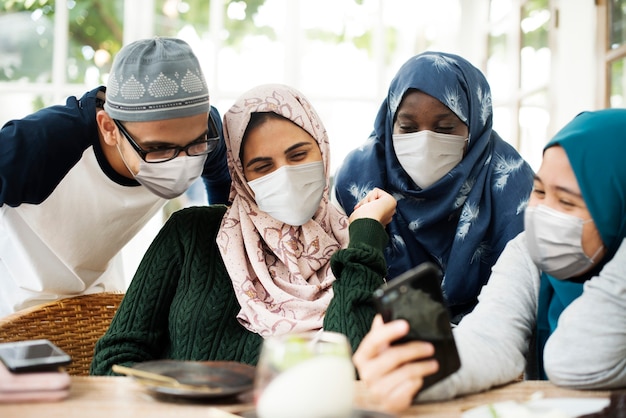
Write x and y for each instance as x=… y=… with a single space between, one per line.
x=463 y=221
x=281 y=273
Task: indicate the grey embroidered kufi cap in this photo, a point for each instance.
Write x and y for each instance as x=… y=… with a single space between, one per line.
x=156 y=79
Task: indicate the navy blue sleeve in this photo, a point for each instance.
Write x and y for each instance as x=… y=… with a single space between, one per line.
x=342 y=185
x=215 y=175
x=38 y=151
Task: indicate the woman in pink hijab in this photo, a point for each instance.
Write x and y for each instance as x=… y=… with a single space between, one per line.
x=281 y=259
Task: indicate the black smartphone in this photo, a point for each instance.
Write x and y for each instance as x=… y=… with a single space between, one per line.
x=32 y=356
x=416 y=297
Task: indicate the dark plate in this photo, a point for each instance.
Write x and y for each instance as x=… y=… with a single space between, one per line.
x=356 y=413
x=200 y=379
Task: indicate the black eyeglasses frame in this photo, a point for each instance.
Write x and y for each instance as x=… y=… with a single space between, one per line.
x=212 y=138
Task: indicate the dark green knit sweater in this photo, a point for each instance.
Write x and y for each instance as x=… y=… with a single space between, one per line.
x=181 y=304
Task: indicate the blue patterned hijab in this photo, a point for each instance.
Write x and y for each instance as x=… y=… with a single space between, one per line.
x=595 y=144
x=463 y=221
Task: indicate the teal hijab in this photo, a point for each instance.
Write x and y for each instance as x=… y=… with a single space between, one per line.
x=595 y=144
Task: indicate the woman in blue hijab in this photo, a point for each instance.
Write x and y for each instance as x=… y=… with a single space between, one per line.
x=461 y=189
x=562 y=280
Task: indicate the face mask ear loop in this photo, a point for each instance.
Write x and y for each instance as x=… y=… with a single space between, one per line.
x=600 y=248
x=124 y=159
x=593 y=257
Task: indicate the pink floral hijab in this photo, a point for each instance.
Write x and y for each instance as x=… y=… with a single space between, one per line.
x=281 y=273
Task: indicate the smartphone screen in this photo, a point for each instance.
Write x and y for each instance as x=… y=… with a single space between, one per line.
x=416 y=297
x=32 y=355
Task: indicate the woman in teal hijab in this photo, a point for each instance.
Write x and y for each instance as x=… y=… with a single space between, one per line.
x=562 y=280
x=595 y=145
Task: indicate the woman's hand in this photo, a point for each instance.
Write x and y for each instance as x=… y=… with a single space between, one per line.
x=377 y=204
x=393 y=374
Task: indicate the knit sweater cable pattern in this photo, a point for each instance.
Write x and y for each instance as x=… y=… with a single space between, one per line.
x=181 y=304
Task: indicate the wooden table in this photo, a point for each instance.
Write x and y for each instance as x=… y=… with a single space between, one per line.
x=122 y=397
x=521 y=391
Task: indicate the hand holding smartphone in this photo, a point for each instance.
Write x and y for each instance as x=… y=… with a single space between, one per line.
x=416 y=297
x=32 y=356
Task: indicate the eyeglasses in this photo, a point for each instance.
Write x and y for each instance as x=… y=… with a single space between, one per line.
x=202 y=146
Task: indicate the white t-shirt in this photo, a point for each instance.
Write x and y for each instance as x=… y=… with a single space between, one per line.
x=70 y=243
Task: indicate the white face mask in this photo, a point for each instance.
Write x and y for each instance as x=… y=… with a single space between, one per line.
x=427 y=156
x=170 y=178
x=554 y=241
x=292 y=193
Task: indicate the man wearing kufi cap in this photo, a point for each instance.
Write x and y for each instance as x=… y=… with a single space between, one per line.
x=77 y=182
